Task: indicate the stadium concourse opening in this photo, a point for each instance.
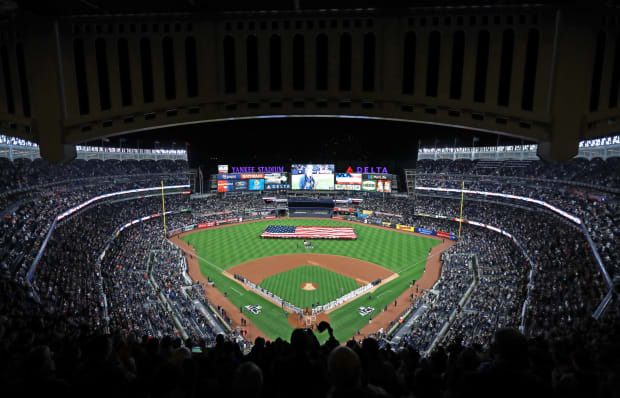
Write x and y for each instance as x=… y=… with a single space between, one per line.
x=310 y=208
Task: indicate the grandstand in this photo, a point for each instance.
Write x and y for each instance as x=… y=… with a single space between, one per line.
x=552 y=272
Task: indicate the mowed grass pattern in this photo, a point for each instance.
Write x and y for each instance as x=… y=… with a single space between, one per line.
x=236 y=244
x=222 y=248
x=287 y=285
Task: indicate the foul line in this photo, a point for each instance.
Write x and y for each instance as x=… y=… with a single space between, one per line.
x=209 y=262
x=418 y=262
x=240 y=294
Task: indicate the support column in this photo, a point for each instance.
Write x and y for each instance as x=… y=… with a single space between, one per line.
x=45 y=78
x=571 y=76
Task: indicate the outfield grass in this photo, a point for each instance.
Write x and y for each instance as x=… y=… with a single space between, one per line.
x=223 y=248
x=287 y=285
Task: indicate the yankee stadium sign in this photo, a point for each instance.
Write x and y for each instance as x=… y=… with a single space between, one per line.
x=259 y=169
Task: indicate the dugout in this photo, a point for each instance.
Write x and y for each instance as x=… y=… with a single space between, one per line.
x=310 y=208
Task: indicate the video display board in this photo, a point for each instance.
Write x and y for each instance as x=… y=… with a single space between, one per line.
x=277 y=181
x=241 y=185
x=384 y=186
x=257 y=184
x=369 y=185
x=230 y=182
x=348 y=181
x=312 y=176
x=377 y=186
x=225 y=186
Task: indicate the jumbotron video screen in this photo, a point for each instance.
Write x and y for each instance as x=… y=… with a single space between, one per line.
x=312 y=176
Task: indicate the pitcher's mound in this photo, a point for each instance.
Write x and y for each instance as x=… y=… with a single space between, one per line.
x=309 y=286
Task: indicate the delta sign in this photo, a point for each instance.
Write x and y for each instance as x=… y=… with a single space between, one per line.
x=368 y=169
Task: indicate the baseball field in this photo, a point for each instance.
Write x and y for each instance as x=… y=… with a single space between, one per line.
x=304 y=276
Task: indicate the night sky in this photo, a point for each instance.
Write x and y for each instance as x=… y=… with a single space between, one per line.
x=281 y=142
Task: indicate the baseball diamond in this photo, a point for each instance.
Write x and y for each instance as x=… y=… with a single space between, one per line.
x=377 y=253
x=286 y=285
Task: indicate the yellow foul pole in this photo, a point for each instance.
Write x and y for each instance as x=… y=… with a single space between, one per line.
x=461 y=215
x=163 y=208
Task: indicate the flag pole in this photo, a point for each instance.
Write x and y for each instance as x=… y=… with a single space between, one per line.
x=163 y=207
x=461 y=215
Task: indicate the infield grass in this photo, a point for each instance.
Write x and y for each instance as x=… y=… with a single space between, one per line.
x=287 y=285
x=222 y=248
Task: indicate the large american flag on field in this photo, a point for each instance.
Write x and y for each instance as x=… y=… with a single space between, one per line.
x=279 y=231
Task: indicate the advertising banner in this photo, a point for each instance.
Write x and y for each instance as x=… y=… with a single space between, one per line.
x=189 y=227
x=270 y=217
x=367 y=212
x=224 y=186
x=343 y=209
x=387 y=224
x=384 y=186
x=206 y=225
x=425 y=231
x=218 y=213
x=337 y=217
x=277 y=187
x=229 y=176
x=369 y=185
x=405 y=228
x=172 y=232
x=380 y=213
x=249 y=176
x=257 y=184
x=228 y=221
x=241 y=185
x=222 y=168
x=348 y=181
x=276 y=178
x=377 y=177
x=347 y=187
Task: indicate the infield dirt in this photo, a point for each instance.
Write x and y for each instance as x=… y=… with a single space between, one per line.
x=363 y=272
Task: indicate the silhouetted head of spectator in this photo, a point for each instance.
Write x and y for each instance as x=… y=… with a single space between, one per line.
x=181 y=354
x=219 y=340
x=177 y=342
x=259 y=342
x=152 y=346
x=370 y=347
x=344 y=369
x=299 y=340
x=247 y=381
x=100 y=348
x=352 y=344
x=40 y=362
x=509 y=348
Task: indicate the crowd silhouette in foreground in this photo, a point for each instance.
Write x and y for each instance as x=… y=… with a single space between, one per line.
x=46 y=353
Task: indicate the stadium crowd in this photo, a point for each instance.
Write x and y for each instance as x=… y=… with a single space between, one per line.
x=162 y=334
x=24 y=173
x=586 y=189
x=566 y=282
x=51 y=353
x=26 y=214
x=595 y=172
